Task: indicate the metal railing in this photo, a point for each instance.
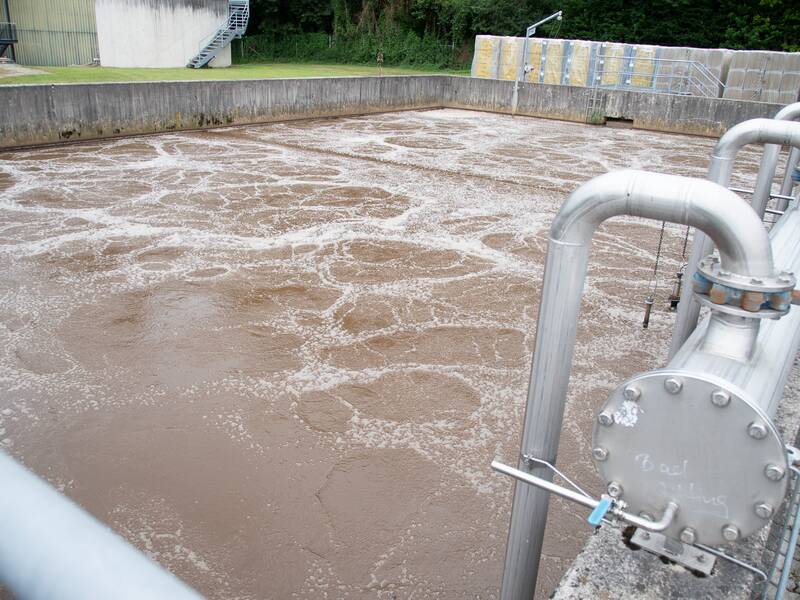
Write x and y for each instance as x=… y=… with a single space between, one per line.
x=664 y=75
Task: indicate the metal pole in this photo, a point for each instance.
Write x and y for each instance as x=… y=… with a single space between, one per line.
x=754 y=131
x=521 y=69
x=50 y=549
x=788 y=184
x=744 y=248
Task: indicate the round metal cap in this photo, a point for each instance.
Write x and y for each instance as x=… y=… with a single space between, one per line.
x=710 y=462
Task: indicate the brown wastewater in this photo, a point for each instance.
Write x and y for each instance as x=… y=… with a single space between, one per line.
x=279 y=359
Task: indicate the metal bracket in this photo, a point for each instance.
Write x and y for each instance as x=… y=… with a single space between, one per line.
x=690 y=557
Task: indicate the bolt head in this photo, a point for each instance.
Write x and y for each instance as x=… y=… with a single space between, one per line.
x=599 y=453
x=724 y=273
x=755 y=281
x=606 y=419
x=632 y=393
x=688 y=535
x=701 y=558
x=774 y=472
x=757 y=431
x=673 y=385
x=614 y=489
x=764 y=510
x=730 y=532
x=720 y=398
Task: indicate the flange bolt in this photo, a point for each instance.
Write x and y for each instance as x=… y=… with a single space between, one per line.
x=720 y=398
x=673 y=385
x=764 y=510
x=757 y=431
x=599 y=453
x=774 y=472
x=605 y=418
x=632 y=393
x=614 y=489
x=688 y=535
x=730 y=532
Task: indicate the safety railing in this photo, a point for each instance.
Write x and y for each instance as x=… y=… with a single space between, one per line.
x=669 y=76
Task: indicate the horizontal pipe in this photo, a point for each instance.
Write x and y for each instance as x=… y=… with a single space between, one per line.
x=657 y=526
x=744 y=248
x=754 y=131
x=50 y=549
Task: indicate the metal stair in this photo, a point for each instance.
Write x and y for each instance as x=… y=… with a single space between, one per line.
x=234 y=27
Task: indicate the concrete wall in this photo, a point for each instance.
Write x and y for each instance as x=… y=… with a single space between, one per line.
x=658 y=112
x=39 y=114
x=158 y=33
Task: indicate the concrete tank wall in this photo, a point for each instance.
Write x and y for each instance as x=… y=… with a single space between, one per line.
x=41 y=114
x=158 y=33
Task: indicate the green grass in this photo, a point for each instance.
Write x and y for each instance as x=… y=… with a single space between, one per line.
x=248 y=71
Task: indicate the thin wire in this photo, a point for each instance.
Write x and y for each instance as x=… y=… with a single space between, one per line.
x=653 y=284
x=579 y=489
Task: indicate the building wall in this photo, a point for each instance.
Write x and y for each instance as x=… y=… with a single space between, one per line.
x=54 y=32
x=157 y=33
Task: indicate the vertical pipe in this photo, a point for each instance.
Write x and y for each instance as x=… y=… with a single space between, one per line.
x=762 y=131
x=788 y=184
x=769 y=163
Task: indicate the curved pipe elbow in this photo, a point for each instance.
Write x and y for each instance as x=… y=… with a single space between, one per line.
x=780 y=130
x=733 y=226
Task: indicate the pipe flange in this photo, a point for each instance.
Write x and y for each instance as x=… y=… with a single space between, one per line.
x=711 y=270
x=738 y=311
x=759 y=297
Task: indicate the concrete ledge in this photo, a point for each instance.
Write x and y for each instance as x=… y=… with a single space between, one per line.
x=45 y=114
x=42 y=114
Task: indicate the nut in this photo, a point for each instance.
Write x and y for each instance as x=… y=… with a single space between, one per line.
x=673 y=385
x=720 y=398
x=632 y=392
x=599 y=453
x=774 y=472
x=730 y=532
x=614 y=489
x=764 y=510
x=605 y=418
x=688 y=535
x=757 y=431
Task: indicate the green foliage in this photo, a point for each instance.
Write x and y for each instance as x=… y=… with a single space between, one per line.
x=441 y=32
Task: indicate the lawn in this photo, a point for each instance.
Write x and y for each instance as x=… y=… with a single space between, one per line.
x=86 y=74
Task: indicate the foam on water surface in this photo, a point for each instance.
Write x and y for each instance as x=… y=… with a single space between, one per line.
x=280 y=358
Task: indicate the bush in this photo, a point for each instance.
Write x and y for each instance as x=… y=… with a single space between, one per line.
x=399 y=47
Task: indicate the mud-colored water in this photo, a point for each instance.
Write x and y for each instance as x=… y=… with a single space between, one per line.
x=279 y=359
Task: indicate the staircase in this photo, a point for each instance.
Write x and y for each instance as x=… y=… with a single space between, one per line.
x=234 y=27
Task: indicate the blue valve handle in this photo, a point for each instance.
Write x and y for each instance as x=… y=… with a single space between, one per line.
x=599 y=512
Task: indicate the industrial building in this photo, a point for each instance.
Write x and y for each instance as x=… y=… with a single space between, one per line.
x=122 y=33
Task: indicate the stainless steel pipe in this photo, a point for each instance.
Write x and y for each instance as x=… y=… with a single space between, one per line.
x=788 y=184
x=760 y=131
x=744 y=249
x=769 y=163
x=50 y=549
x=763 y=374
